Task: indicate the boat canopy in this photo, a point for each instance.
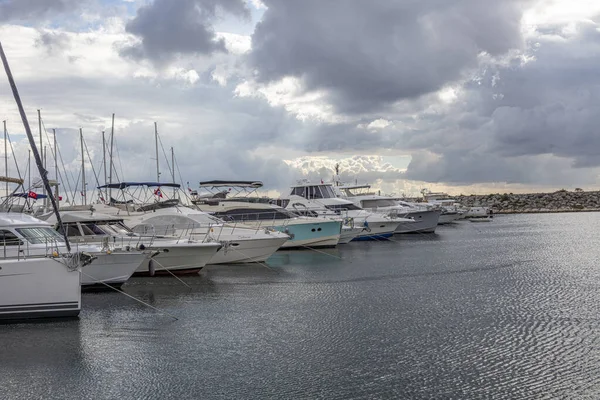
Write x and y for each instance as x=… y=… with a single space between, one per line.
x=243 y=184
x=123 y=185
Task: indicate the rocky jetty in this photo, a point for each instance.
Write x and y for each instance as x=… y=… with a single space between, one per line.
x=559 y=201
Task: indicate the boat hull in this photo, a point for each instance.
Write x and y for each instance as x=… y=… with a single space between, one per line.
x=112 y=269
x=178 y=259
x=377 y=230
x=247 y=251
x=448 y=218
x=348 y=234
x=425 y=222
x=313 y=234
x=38 y=288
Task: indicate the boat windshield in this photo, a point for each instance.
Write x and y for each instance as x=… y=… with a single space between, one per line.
x=245 y=214
x=374 y=203
x=91 y=229
x=314 y=192
x=40 y=235
x=342 y=207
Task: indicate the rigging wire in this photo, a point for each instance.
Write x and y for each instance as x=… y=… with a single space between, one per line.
x=57 y=150
x=120 y=163
x=165 y=154
x=13 y=154
x=93 y=169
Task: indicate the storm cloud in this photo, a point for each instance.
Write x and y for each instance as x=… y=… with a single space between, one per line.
x=167 y=28
x=368 y=55
x=33 y=10
x=461 y=92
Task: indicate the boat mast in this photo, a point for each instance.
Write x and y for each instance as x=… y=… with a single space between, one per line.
x=5 y=156
x=156 y=148
x=36 y=154
x=104 y=155
x=41 y=146
x=29 y=168
x=83 y=190
x=172 y=165
x=110 y=155
x=56 y=196
x=173 y=170
x=104 y=158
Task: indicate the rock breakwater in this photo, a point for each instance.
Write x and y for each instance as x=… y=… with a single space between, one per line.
x=559 y=201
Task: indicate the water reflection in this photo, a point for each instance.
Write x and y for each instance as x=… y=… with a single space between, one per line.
x=508 y=309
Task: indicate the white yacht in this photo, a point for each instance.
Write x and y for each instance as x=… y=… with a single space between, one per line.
x=321 y=200
x=38 y=287
x=261 y=213
x=240 y=244
x=36 y=282
x=451 y=210
x=479 y=212
x=161 y=255
x=425 y=219
x=26 y=235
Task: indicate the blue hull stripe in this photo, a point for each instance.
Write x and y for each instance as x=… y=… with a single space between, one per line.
x=373 y=237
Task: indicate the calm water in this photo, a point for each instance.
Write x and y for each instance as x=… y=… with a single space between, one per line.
x=508 y=309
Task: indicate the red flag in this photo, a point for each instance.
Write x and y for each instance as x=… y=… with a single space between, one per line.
x=82 y=194
x=322 y=181
x=32 y=194
x=158 y=193
x=190 y=190
x=102 y=199
x=59 y=198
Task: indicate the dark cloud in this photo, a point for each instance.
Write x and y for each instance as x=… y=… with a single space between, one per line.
x=533 y=121
x=53 y=42
x=168 y=28
x=370 y=54
x=33 y=10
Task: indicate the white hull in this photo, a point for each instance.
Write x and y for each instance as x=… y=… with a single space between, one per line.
x=323 y=241
x=425 y=222
x=449 y=218
x=348 y=234
x=113 y=269
x=37 y=288
x=378 y=229
x=181 y=258
x=247 y=251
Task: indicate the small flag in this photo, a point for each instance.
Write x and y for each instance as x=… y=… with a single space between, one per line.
x=82 y=194
x=322 y=181
x=32 y=195
x=190 y=190
x=59 y=198
x=158 y=193
x=102 y=199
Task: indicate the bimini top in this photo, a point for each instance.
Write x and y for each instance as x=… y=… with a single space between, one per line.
x=123 y=185
x=244 y=184
x=86 y=216
x=17 y=219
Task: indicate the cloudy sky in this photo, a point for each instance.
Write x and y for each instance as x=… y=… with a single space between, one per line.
x=467 y=96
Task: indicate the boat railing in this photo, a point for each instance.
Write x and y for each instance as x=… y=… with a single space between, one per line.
x=21 y=249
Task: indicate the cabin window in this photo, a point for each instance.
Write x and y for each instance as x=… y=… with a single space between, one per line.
x=299 y=191
x=254 y=215
x=7 y=238
x=72 y=230
x=40 y=235
x=343 y=207
x=120 y=228
x=90 y=229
